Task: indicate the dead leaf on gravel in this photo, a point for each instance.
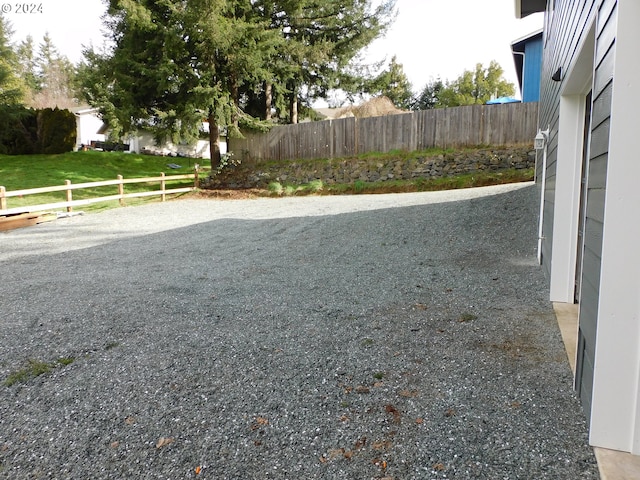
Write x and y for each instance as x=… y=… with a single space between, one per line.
x=348 y=454
x=421 y=306
x=419 y=420
x=516 y=404
x=362 y=389
x=335 y=453
x=450 y=413
x=380 y=463
x=360 y=443
x=382 y=445
x=438 y=467
x=394 y=411
x=344 y=418
x=260 y=422
x=408 y=393
x=378 y=384
x=130 y=420
x=198 y=469
x=164 y=441
x=114 y=444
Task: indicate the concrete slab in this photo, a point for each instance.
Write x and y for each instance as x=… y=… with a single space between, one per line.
x=612 y=464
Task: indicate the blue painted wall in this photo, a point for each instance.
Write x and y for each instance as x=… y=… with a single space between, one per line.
x=532 y=69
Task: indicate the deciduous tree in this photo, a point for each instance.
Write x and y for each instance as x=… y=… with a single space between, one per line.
x=476 y=87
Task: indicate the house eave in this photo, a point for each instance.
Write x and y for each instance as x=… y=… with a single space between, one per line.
x=525 y=8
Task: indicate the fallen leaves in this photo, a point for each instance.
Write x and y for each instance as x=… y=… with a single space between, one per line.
x=164 y=441
x=360 y=443
x=259 y=423
x=408 y=393
x=335 y=453
x=362 y=389
x=382 y=464
x=130 y=420
x=393 y=411
x=450 y=413
x=382 y=445
x=198 y=469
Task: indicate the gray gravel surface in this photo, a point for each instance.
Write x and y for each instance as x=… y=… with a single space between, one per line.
x=393 y=336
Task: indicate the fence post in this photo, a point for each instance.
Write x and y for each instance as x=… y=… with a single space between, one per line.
x=3 y=199
x=69 y=196
x=163 y=187
x=121 y=191
x=196 y=180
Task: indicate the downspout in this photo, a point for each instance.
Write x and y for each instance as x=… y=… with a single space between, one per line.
x=544 y=136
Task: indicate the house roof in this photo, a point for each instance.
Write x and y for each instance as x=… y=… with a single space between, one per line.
x=528 y=7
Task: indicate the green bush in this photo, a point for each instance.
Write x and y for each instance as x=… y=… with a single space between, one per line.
x=25 y=131
x=56 y=130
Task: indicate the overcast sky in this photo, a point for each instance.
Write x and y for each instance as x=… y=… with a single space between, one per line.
x=431 y=38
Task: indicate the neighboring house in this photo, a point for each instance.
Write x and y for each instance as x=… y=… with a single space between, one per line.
x=88 y=125
x=589 y=173
x=143 y=142
x=91 y=128
x=527 y=56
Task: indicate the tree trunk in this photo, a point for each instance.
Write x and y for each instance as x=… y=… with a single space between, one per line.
x=293 y=106
x=235 y=96
x=268 y=99
x=214 y=142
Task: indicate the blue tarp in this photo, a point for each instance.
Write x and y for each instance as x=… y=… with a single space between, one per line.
x=499 y=100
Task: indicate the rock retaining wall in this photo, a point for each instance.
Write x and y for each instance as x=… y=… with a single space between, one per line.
x=373 y=170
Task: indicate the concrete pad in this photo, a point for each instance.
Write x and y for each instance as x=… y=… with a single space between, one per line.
x=567 y=315
x=612 y=464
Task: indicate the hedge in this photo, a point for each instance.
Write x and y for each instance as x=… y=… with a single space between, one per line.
x=26 y=131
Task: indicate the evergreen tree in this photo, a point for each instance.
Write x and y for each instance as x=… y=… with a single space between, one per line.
x=428 y=98
x=175 y=64
x=11 y=88
x=53 y=74
x=393 y=84
x=322 y=38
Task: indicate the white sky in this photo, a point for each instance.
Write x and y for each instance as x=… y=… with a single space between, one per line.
x=430 y=38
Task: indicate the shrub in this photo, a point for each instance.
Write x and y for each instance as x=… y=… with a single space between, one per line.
x=25 y=131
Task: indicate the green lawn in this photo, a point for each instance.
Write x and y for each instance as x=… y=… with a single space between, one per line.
x=32 y=171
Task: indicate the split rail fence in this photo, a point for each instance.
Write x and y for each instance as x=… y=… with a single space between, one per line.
x=508 y=124
x=68 y=187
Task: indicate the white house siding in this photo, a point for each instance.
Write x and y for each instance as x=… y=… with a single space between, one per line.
x=615 y=419
x=88 y=123
x=596 y=44
x=144 y=142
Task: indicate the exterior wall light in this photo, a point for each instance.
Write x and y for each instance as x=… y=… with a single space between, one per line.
x=541 y=139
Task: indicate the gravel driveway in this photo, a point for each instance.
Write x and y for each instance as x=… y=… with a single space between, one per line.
x=361 y=337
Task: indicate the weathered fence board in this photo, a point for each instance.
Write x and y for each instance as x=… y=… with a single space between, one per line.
x=510 y=124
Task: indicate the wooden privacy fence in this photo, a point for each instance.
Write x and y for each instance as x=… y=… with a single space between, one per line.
x=508 y=124
x=68 y=187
